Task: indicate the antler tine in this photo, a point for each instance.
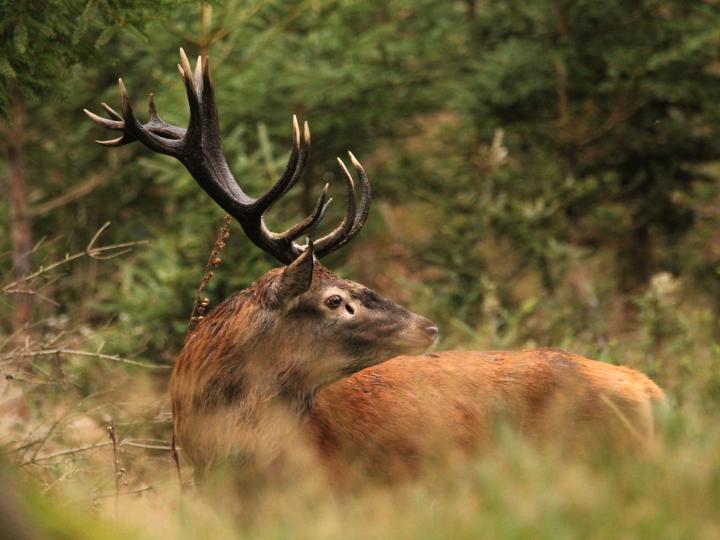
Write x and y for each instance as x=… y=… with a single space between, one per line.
x=115 y=125
x=208 y=95
x=113 y=143
x=306 y=225
x=134 y=130
x=112 y=112
x=194 y=128
x=295 y=166
x=313 y=219
x=199 y=76
x=331 y=241
x=365 y=197
x=305 y=147
x=352 y=223
x=152 y=108
x=158 y=126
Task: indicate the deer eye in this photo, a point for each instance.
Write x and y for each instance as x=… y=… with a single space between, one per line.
x=334 y=302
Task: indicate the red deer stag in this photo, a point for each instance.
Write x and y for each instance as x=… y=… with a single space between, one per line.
x=324 y=351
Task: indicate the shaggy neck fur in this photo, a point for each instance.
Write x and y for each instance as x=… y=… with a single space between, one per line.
x=234 y=383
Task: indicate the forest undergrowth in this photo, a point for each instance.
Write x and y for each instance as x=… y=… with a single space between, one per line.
x=87 y=434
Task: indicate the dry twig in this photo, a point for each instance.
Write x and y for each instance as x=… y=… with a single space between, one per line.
x=133 y=444
x=74 y=193
x=74 y=352
x=91 y=250
x=176 y=460
x=32 y=293
x=131 y=492
x=68 y=452
x=118 y=470
x=200 y=305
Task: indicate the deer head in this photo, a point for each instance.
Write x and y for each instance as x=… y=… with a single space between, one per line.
x=300 y=325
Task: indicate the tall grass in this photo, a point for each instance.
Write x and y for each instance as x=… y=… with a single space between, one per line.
x=75 y=483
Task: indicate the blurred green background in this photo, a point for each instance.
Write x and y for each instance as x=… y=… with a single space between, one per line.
x=545 y=173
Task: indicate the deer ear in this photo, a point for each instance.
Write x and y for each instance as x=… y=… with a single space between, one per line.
x=297 y=276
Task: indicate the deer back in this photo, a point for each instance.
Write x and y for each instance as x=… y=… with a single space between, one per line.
x=400 y=414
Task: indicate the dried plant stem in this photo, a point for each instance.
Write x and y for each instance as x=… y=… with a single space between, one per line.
x=69 y=452
x=32 y=293
x=80 y=449
x=176 y=459
x=75 y=352
x=117 y=469
x=91 y=250
x=145 y=446
x=200 y=305
x=74 y=193
x=623 y=419
x=131 y=492
x=44 y=440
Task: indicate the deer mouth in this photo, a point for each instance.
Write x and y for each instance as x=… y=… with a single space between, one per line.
x=420 y=337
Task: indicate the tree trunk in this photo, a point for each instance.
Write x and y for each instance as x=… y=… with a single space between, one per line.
x=20 y=225
x=634 y=267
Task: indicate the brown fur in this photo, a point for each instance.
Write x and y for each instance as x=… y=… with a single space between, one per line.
x=253 y=377
x=386 y=415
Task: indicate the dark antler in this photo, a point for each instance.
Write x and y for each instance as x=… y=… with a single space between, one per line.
x=198 y=148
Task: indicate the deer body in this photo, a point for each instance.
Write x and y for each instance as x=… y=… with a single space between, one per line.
x=396 y=416
x=303 y=355
x=244 y=387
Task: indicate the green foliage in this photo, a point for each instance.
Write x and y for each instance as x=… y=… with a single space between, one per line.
x=529 y=138
x=544 y=174
x=41 y=40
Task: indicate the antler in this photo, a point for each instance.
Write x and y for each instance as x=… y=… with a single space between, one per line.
x=199 y=149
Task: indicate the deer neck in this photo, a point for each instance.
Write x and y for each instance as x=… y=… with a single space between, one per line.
x=266 y=381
